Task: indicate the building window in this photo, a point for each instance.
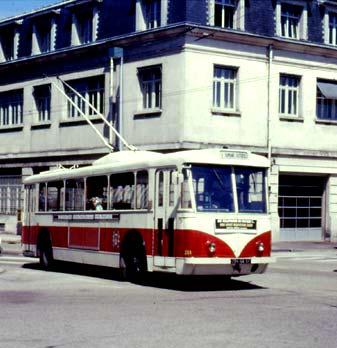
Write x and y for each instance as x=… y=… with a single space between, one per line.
x=151 y=14
x=42 y=97
x=224 y=11
x=333 y=28
x=291 y=19
x=43 y=35
x=92 y=90
x=11 y=108
x=327 y=100
x=9 y=39
x=11 y=197
x=43 y=38
x=330 y=26
x=224 y=88
x=84 y=26
x=227 y=13
x=150 y=80
x=289 y=95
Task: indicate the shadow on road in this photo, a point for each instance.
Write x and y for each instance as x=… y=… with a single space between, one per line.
x=196 y=283
x=156 y=280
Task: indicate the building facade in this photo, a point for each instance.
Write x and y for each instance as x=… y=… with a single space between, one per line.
x=177 y=74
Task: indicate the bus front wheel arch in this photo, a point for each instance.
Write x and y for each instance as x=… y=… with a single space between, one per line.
x=133 y=261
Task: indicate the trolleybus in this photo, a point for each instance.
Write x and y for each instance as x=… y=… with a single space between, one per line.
x=195 y=212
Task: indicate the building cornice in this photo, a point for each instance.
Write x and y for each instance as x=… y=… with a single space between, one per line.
x=198 y=31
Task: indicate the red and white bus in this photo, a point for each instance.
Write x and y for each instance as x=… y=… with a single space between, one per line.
x=192 y=212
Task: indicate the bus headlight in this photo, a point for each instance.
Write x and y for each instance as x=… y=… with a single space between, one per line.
x=211 y=247
x=260 y=247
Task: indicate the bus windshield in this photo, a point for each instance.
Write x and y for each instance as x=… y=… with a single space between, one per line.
x=214 y=188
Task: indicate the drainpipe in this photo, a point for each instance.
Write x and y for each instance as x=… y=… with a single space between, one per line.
x=120 y=144
x=111 y=93
x=270 y=63
x=118 y=52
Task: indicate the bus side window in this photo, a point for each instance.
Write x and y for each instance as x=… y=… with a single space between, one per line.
x=97 y=193
x=33 y=198
x=42 y=197
x=142 y=188
x=171 y=190
x=160 y=189
x=55 y=195
x=186 y=201
x=122 y=191
x=74 y=198
x=28 y=198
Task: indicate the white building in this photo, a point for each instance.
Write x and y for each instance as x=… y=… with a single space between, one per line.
x=211 y=74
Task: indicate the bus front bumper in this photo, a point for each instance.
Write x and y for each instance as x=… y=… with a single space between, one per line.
x=222 y=266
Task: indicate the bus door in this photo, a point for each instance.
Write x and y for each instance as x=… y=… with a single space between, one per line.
x=165 y=218
x=28 y=216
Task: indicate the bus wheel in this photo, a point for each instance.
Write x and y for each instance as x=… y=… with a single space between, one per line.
x=46 y=254
x=133 y=261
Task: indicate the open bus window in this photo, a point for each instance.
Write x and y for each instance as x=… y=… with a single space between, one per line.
x=74 y=198
x=142 y=188
x=55 y=192
x=30 y=198
x=97 y=193
x=161 y=189
x=171 y=190
x=213 y=188
x=250 y=186
x=42 y=197
x=186 y=202
x=122 y=191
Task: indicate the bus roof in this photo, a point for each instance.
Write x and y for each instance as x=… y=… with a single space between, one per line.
x=132 y=160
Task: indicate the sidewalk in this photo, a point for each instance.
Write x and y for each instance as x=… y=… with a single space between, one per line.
x=10 y=242
x=303 y=249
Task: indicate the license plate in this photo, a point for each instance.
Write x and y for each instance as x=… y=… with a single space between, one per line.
x=241 y=262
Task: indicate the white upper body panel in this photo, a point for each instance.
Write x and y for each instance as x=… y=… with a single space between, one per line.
x=132 y=160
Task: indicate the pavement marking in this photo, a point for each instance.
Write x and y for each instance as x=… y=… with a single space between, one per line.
x=328 y=260
x=11 y=263
x=21 y=259
x=310 y=258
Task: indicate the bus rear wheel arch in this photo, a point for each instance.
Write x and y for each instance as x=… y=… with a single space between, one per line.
x=133 y=261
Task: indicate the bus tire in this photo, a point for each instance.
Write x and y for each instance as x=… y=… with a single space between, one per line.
x=46 y=252
x=133 y=258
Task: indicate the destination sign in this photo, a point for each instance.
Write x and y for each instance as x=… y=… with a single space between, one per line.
x=235 y=224
x=234 y=155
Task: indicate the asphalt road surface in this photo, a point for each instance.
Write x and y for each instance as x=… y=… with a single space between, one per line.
x=294 y=304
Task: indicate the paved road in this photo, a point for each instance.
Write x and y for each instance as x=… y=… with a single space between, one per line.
x=293 y=305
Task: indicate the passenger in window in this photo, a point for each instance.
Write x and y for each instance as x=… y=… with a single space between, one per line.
x=42 y=199
x=97 y=203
